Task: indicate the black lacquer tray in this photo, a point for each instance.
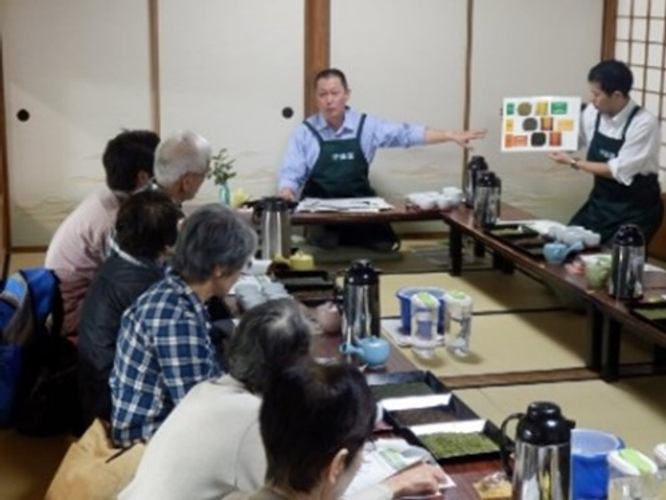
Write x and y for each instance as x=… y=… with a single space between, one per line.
x=520 y=237
x=419 y=406
x=309 y=287
x=653 y=313
x=405 y=384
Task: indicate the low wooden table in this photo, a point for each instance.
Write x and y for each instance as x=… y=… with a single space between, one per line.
x=464 y=474
x=399 y=213
x=618 y=318
x=607 y=315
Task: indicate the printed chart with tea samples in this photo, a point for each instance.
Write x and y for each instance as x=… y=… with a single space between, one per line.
x=540 y=124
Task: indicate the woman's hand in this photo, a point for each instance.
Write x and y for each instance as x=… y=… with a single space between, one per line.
x=423 y=479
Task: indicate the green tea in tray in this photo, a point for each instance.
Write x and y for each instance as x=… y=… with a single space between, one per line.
x=401 y=390
x=651 y=313
x=420 y=416
x=455 y=444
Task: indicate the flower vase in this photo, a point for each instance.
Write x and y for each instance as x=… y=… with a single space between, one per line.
x=224 y=194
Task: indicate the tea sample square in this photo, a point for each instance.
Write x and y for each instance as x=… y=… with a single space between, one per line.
x=456 y=440
x=405 y=384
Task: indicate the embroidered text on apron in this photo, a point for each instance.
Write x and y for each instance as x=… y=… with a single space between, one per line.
x=341 y=171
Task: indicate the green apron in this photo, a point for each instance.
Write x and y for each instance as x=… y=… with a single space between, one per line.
x=612 y=204
x=341 y=170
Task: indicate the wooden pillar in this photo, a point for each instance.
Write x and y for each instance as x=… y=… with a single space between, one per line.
x=154 y=44
x=608 y=30
x=317 y=46
x=5 y=223
x=467 y=109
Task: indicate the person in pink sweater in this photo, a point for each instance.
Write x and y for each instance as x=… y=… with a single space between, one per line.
x=80 y=244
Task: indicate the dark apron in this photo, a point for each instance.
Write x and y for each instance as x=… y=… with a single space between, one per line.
x=612 y=204
x=342 y=171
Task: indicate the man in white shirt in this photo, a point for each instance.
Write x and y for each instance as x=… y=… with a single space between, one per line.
x=622 y=141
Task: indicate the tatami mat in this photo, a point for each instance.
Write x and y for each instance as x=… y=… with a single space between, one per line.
x=28 y=464
x=523 y=342
x=490 y=290
x=513 y=340
x=634 y=409
x=22 y=260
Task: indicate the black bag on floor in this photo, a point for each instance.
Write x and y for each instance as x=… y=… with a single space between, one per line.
x=48 y=400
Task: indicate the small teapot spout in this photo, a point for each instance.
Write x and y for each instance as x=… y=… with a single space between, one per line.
x=349 y=348
x=576 y=247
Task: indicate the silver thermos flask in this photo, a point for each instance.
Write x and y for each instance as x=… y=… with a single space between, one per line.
x=360 y=302
x=272 y=215
x=487 y=199
x=542 y=453
x=475 y=166
x=627 y=263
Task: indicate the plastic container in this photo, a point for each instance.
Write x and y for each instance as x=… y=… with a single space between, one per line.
x=459 y=307
x=632 y=475
x=660 y=456
x=660 y=477
x=424 y=312
x=589 y=471
x=405 y=295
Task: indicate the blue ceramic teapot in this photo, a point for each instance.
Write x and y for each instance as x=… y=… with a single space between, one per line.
x=373 y=351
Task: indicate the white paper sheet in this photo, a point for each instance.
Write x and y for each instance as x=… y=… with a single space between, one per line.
x=383 y=458
x=370 y=204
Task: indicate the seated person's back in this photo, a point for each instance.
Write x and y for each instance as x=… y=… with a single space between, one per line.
x=79 y=246
x=314 y=420
x=218 y=421
x=146 y=226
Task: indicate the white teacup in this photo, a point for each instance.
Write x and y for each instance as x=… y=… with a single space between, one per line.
x=425 y=201
x=444 y=202
x=591 y=239
x=454 y=194
x=556 y=232
x=571 y=236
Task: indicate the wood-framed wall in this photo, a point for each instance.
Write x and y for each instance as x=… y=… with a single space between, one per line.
x=154 y=42
x=609 y=28
x=4 y=179
x=317 y=47
x=317 y=32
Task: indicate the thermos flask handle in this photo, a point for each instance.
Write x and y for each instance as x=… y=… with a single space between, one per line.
x=506 y=449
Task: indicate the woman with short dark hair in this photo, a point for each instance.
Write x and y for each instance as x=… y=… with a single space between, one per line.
x=146 y=226
x=314 y=420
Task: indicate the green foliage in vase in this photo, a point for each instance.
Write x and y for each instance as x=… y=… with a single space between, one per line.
x=221 y=168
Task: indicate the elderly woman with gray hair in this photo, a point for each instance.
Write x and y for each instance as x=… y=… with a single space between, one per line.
x=211 y=443
x=164 y=347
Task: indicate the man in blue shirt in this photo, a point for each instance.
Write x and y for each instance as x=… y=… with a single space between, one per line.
x=330 y=153
x=163 y=346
